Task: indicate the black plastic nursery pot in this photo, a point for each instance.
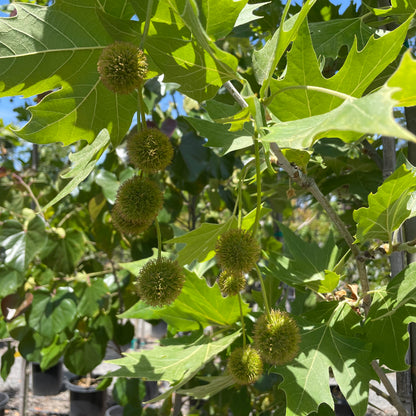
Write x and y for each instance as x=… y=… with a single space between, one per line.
x=115 y=410
x=341 y=408
x=4 y=398
x=85 y=401
x=48 y=382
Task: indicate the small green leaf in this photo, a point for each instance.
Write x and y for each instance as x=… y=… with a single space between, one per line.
x=7 y=361
x=84 y=354
x=22 y=244
x=51 y=314
x=247 y=15
x=10 y=280
x=218 y=135
x=91 y=296
x=63 y=252
x=200 y=243
x=198 y=305
x=53 y=352
x=388 y=208
x=83 y=163
x=176 y=363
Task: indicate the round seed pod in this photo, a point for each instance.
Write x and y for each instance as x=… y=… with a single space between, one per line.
x=150 y=150
x=277 y=337
x=245 y=365
x=139 y=200
x=237 y=251
x=122 y=67
x=230 y=284
x=160 y=282
x=126 y=226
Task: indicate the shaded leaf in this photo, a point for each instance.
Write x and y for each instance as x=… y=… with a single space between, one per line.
x=309 y=264
x=63 y=251
x=91 y=296
x=7 y=361
x=51 y=314
x=176 y=363
x=218 y=135
x=83 y=163
x=214 y=385
x=10 y=280
x=22 y=243
x=198 y=305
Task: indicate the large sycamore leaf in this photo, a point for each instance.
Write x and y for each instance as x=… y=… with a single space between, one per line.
x=180 y=47
x=399 y=8
x=83 y=163
x=266 y=59
x=388 y=208
x=371 y=114
x=56 y=49
x=328 y=345
x=176 y=363
x=198 y=305
x=309 y=264
x=392 y=309
x=354 y=77
x=22 y=243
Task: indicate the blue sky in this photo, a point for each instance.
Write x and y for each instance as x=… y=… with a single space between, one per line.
x=6 y=106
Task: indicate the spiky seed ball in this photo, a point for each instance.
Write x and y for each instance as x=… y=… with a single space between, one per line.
x=160 y=281
x=122 y=67
x=125 y=226
x=139 y=199
x=277 y=337
x=245 y=365
x=231 y=284
x=237 y=251
x=150 y=150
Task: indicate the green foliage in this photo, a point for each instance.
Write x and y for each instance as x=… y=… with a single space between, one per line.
x=282 y=153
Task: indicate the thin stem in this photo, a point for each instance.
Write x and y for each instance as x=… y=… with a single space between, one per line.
x=310 y=185
x=243 y=327
x=258 y=183
x=120 y=297
x=29 y=190
x=147 y=23
x=159 y=239
x=235 y=94
x=263 y=291
x=141 y=107
x=390 y=389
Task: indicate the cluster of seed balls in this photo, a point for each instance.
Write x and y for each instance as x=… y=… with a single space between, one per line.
x=122 y=68
x=276 y=335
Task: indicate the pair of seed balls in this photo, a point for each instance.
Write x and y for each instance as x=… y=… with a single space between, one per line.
x=140 y=199
x=237 y=252
x=276 y=342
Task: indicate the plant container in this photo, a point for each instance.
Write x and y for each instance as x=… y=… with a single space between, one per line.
x=115 y=410
x=48 y=382
x=341 y=408
x=85 y=401
x=4 y=398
